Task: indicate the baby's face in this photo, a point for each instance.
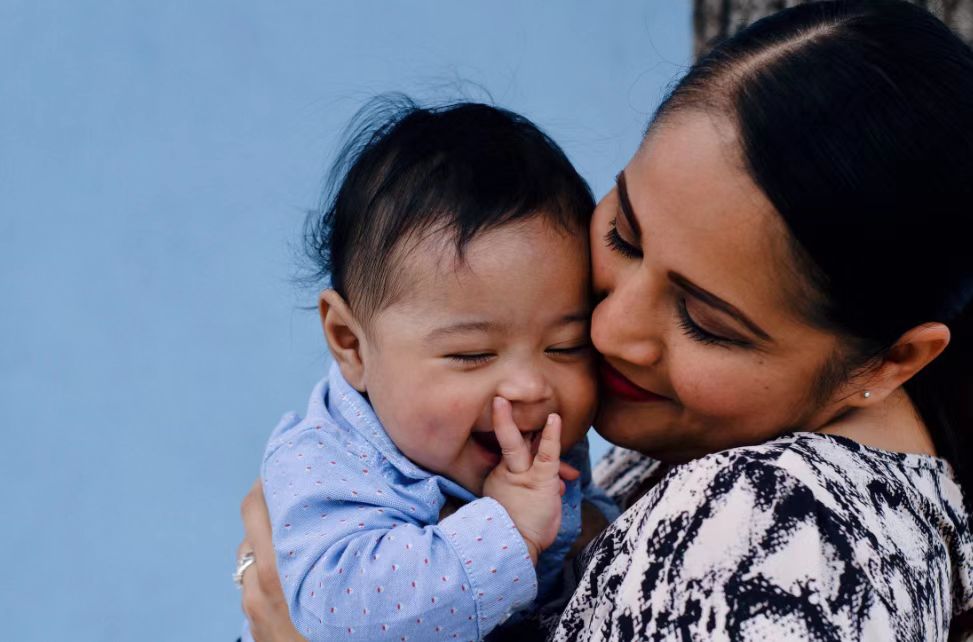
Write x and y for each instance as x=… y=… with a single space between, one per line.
x=510 y=321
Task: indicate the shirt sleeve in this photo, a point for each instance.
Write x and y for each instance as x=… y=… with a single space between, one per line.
x=725 y=549
x=357 y=561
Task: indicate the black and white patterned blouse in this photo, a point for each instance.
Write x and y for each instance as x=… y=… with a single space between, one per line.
x=807 y=537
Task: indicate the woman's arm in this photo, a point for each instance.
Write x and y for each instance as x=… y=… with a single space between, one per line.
x=262 y=598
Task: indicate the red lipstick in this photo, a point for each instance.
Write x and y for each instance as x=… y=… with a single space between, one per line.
x=617 y=385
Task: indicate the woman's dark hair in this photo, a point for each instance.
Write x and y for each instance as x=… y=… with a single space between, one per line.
x=856 y=120
x=406 y=172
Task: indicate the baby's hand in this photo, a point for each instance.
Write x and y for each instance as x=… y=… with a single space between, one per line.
x=529 y=487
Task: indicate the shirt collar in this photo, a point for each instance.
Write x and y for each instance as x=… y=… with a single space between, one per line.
x=347 y=405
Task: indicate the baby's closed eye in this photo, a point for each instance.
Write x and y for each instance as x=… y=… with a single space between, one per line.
x=571 y=350
x=472 y=358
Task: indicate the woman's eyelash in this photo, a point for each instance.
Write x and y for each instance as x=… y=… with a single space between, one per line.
x=615 y=241
x=693 y=331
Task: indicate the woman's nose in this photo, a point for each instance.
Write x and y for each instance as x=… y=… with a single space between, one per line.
x=628 y=322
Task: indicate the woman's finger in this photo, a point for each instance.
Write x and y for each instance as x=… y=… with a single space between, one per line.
x=515 y=451
x=268 y=617
x=252 y=600
x=256 y=528
x=263 y=598
x=547 y=462
x=244 y=548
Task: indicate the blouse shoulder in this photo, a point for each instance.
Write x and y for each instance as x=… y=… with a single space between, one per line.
x=803 y=537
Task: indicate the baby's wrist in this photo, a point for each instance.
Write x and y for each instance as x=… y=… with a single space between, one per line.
x=532 y=549
x=533 y=544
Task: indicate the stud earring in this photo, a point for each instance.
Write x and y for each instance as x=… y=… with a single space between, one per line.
x=866 y=394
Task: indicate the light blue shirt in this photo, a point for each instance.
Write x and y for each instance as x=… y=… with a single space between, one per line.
x=361 y=550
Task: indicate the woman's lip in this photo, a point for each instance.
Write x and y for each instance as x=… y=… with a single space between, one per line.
x=617 y=385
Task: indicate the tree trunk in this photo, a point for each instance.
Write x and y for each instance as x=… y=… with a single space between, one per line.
x=714 y=20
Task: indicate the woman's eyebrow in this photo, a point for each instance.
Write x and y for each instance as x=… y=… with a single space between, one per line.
x=714 y=301
x=626 y=204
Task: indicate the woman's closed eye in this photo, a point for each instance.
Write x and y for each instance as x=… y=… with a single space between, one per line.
x=618 y=243
x=695 y=331
x=623 y=235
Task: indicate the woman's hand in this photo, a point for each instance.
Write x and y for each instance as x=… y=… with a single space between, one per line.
x=263 y=599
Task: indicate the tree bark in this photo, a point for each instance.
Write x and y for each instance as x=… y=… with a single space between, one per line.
x=714 y=20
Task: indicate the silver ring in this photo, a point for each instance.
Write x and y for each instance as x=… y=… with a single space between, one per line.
x=242 y=564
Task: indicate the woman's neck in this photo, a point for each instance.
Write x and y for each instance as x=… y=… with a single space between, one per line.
x=894 y=424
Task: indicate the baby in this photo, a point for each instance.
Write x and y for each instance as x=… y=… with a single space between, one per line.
x=423 y=486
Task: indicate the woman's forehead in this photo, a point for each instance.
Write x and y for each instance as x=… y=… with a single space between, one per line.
x=695 y=157
x=701 y=214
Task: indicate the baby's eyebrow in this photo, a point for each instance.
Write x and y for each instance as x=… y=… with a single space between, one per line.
x=468 y=327
x=463 y=327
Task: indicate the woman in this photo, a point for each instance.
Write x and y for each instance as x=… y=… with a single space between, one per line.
x=786 y=325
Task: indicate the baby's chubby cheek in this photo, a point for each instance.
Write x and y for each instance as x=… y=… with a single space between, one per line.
x=427 y=432
x=451 y=421
x=577 y=402
x=575 y=426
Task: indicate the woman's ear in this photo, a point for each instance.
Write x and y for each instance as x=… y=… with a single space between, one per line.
x=345 y=337
x=911 y=353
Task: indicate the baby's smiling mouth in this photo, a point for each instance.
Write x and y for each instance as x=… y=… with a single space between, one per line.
x=488 y=441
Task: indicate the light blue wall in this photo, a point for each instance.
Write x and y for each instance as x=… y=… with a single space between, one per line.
x=155 y=162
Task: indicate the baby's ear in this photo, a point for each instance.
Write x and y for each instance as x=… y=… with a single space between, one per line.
x=344 y=336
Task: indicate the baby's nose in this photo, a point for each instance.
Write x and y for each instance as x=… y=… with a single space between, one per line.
x=525 y=387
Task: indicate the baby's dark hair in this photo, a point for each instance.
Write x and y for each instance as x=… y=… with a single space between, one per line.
x=407 y=172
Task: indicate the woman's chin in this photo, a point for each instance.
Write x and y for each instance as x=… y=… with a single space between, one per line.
x=629 y=427
x=648 y=429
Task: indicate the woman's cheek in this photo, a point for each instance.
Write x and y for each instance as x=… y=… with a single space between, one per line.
x=717 y=386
